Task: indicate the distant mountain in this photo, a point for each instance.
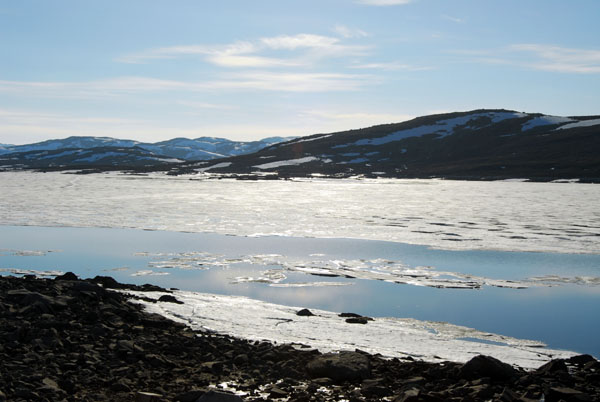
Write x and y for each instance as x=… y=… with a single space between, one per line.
x=107 y=152
x=480 y=144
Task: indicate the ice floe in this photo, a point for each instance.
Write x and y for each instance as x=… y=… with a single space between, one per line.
x=363 y=269
x=326 y=331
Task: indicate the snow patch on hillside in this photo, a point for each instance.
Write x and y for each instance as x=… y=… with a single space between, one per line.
x=441 y=128
x=583 y=123
x=290 y=162
x=544 y=121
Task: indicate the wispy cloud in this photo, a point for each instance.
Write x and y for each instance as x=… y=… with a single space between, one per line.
x=540 y=57
x=348 y=33
x=453 y=19
x=392 y=66
x=343 y=120
x=559 y=59
x=120 y=86
x=384 y=2
x=250 y=53
x=27 y=126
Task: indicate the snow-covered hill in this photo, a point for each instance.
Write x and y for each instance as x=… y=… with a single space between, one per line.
x=473 y=145
x=117 y=152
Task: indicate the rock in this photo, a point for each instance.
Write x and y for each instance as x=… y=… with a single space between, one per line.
x=169 y=299
x=552 y=367
x=566 y=394
x=487 y=366
x=581 y=359
x=190 y=396
x=344 y=366
x=412 y=395
x=147 y=397
x=349 y=315
x=357 y=320
x=214 y=396
x=305 y=313
x=69 y=276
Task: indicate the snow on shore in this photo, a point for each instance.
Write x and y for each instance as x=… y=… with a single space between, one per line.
x=326 y=331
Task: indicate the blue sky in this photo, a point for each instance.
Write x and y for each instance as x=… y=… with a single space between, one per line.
x=152 y=70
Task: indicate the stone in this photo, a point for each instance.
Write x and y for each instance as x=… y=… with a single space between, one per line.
x=357 y=320
x=581 y=359
x=147 y=397
x=305 y=313
x=343 y=366
x=487 y=366
x=214 y=396
x=69 y=276
x=169 y=299
x=552 y=367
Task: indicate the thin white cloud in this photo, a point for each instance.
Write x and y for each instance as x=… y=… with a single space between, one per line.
x=559 y=59
x=539 y=57
x=26 y=126
x=348 y=33
x=292 y=42
x=384 y=2
x=391 y=66
x=453 y=19
x=345 y=120
x=248 y=53
x=294 y=82
x=121 y=86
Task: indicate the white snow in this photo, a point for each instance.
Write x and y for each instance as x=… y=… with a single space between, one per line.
x=290 y=162
x=582 y=123
x=215 y=166
x=442 y=128
x=544 y=121
x=326 y=331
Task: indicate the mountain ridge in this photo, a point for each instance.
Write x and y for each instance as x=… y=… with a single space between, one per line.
x=482 y=144
x=477 y=144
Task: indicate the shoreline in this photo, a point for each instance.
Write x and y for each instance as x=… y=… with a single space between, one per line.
x=71 y=339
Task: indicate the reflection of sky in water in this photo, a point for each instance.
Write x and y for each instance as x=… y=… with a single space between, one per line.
x=565 y=316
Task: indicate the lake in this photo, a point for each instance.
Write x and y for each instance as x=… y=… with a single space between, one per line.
x=512 y=258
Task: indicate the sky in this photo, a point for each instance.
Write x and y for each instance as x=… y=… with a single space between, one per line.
x=151 y=70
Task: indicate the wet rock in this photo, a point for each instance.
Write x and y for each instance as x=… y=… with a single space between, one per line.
x=343 y=366
x=305 y=313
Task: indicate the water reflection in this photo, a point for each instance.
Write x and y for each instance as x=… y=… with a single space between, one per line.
x=565 y=316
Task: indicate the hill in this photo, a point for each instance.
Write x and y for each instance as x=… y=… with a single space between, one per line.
x=479 y=144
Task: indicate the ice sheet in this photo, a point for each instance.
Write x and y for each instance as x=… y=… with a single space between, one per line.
x=454 y=215
x=392 y=337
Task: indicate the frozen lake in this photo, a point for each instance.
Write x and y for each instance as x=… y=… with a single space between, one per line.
x=456 y=252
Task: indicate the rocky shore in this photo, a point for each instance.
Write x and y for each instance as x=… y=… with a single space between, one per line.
x=67 y=339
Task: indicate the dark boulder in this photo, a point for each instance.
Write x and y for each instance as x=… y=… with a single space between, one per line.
x=305 y=313
x=69 y=276
x=169 y=299
x=487 y=366
x=343 y=366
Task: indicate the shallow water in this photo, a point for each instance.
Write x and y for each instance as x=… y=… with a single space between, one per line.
x=564 y=316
